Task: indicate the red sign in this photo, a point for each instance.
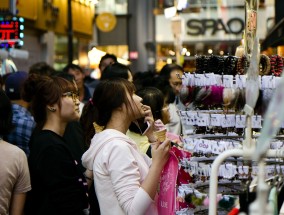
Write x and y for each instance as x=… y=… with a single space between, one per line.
x=10 y=32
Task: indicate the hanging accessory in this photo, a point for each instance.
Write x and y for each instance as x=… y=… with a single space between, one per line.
x=276 y=63
x=242 y=65
x=230 y=65
x=264 y=63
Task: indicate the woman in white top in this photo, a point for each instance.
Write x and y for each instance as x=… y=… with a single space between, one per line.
x=125 y=181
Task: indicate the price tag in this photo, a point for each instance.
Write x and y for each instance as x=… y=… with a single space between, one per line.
x=218 y=79
x=203 y=146
x=240 y=81
x=202 y=119
x=189 y=144
x=240 y=121
x=191 y=118
x=198 y=79
x=228 y=120
x=215 y=119
x=256 y=121
x=268 y=82
x=183 y=116
x=228 y=81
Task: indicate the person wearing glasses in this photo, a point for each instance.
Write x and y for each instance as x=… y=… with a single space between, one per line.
x=58 y=184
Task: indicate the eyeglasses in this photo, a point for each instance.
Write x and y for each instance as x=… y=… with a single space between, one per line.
x=73 y=95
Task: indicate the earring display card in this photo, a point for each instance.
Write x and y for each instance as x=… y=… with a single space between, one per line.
x=215 y=120
x=228 y=120
x=256 y=121
x=240 y=121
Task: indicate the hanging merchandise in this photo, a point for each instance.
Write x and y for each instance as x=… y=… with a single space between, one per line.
x=276 y=65
x=172 y=175
x=251 y=26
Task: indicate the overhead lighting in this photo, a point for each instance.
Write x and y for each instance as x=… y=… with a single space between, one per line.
x=170 y=12
x=182 y=4
x=95 y=56
x=172 y=53
x=94 y=1
x=169 y=61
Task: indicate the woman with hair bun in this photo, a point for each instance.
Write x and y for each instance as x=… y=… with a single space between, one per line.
x=58 y=185
x=125 y=181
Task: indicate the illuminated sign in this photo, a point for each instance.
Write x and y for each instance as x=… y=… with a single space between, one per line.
x=11 y=32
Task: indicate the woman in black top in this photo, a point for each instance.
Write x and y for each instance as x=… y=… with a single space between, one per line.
x=58 y=185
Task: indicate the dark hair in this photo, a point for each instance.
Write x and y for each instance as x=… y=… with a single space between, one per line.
x=154 y=98
x=143 y=79
x=42 y=91
x=168 y=68
x=64 y=75
x=109 y=95
x=115 y=70
x=41 y=68
x=1 y=82
x=5 y=114
x=107 y=56
x=163 y=84
x=72 y=66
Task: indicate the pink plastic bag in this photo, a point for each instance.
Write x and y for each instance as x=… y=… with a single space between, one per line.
x=167 y=195
x=171 y=175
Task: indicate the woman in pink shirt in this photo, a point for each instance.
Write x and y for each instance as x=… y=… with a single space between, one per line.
x=125 y=180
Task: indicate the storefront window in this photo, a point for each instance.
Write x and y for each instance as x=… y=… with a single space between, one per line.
x=166 y=52
x=61 y=49
x=117 y=7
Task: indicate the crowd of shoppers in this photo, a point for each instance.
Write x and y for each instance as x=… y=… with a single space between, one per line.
x=56 y=162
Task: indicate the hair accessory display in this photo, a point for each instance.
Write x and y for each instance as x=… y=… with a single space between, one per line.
x=201 y=64
x=264 y=63
x=242 y=65
x=276 y=63
x=216 y=64
x=230 y=65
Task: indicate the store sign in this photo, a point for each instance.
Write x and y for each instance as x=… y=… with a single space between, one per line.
x=11 y=32
x=106 y=22
x=221 y=24
x=197 y=27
